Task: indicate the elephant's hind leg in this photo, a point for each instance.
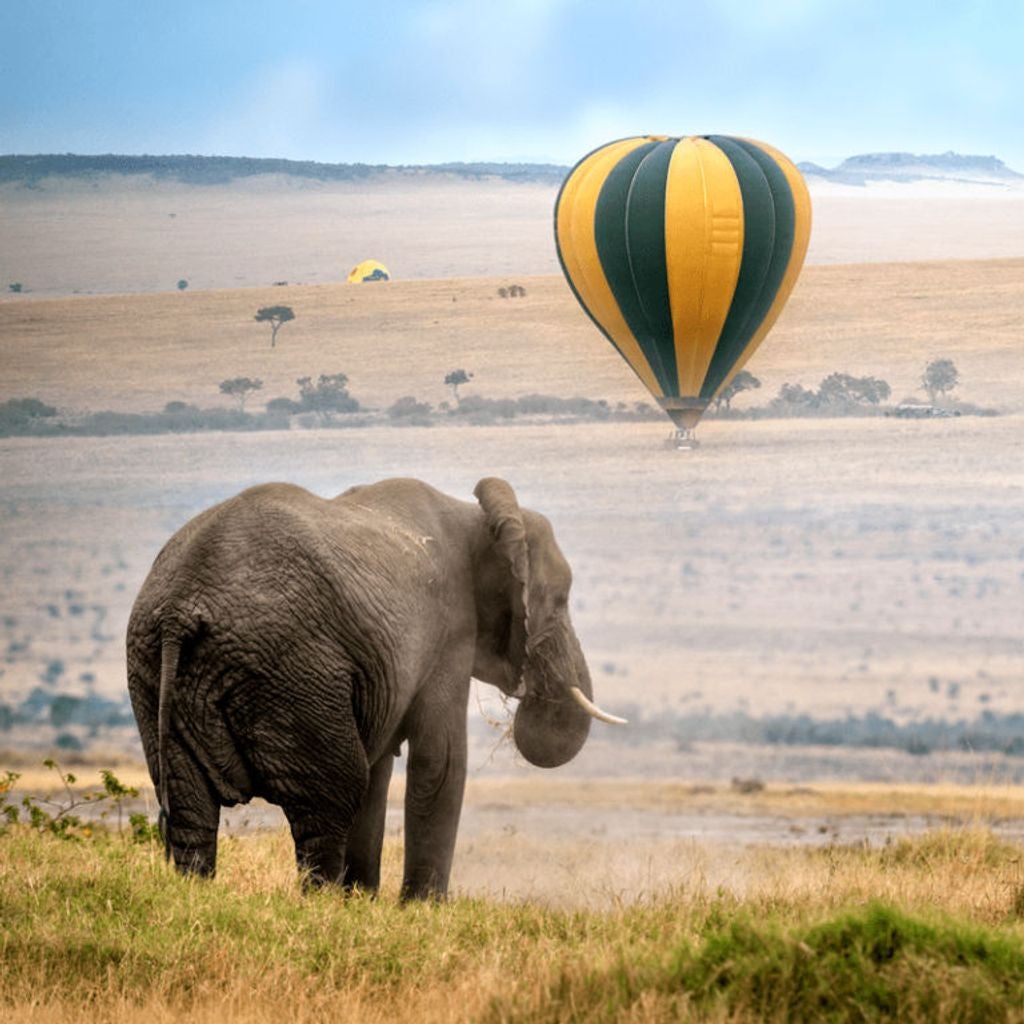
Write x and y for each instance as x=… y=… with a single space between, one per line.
x=312 y=763
x=190 y=826
x=320 y=839
x=362 y=863
x=322 y=819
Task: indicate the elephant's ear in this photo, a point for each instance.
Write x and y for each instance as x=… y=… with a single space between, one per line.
x=505 y=523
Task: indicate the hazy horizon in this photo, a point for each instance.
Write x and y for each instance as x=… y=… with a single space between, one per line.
x=470 y=161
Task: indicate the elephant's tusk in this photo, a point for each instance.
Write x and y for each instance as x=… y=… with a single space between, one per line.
x=592 y=709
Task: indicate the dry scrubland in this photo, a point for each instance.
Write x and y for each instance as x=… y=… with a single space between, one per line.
x=137 y=352
x=818 y=566
x=815 y=566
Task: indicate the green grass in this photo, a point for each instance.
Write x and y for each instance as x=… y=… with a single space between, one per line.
x=103 y=928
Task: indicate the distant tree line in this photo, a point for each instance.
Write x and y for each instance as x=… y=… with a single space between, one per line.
x=839 y=394
x=221 y=170
x=327 y=401
x=989 y=731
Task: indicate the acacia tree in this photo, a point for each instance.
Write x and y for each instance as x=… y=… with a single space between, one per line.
x=328 y=395
x=842 y=388
x=240 y=388
x=797 y=395
x=454 y=379
x=275 y=316
x=743 y=381
x=940 y=376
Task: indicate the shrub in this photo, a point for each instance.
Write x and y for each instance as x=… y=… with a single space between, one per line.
x=481 y=410
x=22 y=415
x=940 y=376
x=240 y=388
x=843 y=389
x=328 y=395
x=838 y=394
x=56 y=815
x=798 y=396
x=283 y=407
x=63 y=710
x=408 y=412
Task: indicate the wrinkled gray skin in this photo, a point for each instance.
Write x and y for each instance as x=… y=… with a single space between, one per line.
x=284 y=646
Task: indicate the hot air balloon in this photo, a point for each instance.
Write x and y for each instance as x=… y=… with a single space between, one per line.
x=683 y=252
x=368 y=270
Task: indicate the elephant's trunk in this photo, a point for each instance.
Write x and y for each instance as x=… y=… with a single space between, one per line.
x=550 y=725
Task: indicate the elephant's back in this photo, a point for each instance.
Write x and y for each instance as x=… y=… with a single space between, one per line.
x=274 y=559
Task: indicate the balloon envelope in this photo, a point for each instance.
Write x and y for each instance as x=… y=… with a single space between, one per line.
x=368 y=270
x=683 y=251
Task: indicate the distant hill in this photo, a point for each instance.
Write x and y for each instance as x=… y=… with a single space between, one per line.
x=859 y=170
x=221 y=170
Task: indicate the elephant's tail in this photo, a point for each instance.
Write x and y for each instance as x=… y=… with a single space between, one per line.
x=170 y=650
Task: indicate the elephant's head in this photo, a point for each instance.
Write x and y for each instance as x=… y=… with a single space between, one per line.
x=526 y=645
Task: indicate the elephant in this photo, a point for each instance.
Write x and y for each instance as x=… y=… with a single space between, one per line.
x=286 y=645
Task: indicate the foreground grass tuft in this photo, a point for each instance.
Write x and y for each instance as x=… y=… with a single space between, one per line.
x=103 y=928
x=871 y=963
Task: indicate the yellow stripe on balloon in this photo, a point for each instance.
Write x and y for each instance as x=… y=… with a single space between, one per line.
x=801 y=239
x=703 y=252
x=578 y=248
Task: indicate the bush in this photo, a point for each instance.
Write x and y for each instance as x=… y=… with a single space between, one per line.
x=240 y=388
x=481 y=410
x=22 y=415
x=407 y=412
x=797 y=397
x=283 y=407
x=939 y=377
x=842 y=389
x=839 y=394
x=63 y=710
x=328 y=395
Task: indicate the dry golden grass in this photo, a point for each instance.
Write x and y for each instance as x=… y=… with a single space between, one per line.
x=107 y=930
x=137 y=352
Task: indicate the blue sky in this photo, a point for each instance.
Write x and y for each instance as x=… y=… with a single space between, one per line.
x=534 y=80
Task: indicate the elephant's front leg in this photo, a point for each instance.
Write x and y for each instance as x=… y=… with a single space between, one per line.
x=435 y=784
x=362 y=859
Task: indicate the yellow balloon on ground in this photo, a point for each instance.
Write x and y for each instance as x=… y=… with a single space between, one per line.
x=368 y=270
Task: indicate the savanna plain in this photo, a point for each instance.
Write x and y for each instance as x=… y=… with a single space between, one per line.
x=690 y=866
